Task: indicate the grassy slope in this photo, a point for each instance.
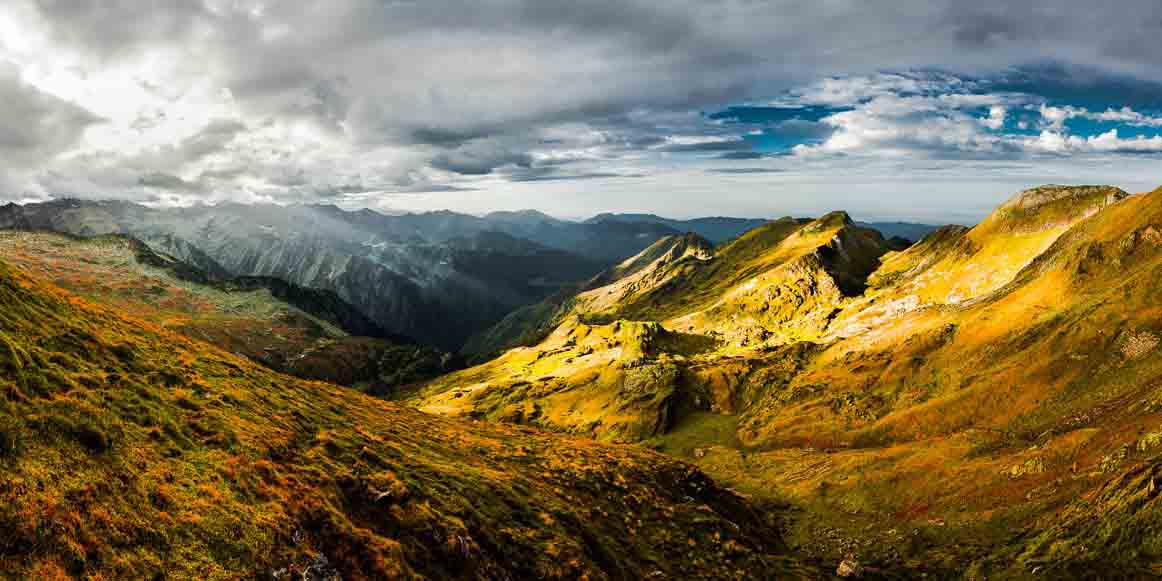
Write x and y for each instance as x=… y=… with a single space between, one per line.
x=251 y=323
x=974 y=426
x=128 y=451
x=987 y=406
x=620 y=381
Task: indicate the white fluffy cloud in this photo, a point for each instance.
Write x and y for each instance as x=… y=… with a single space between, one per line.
x=1055 y=117
x=899 y=120
x=1108 y=142
x=925 y=125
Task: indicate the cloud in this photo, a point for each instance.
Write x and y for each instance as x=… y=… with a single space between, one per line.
x=701 y=144
x=481 y=157
x=288 y=100
x=918 y=125
x=549 y=174
x=210 y=140
x=1108 y=142
x=947 y=119
x=163 y=181
x=996 y=118
x=849 y=91
x=1127 y=116
x=744 y=170
x=1055 y=117
x=742 y=155
x=35 y=125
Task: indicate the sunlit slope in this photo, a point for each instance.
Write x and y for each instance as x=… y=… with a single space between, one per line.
x=988 y=406
x=954 y=265
x=131 y=452
x=606 y=373
x=977 y=424
x=643 y=273
x=245 y=319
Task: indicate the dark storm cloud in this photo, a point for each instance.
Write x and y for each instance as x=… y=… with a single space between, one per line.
x=35 y=125
x=742 y=155
x=480 y=158
x=555 y=174
x=604 y=54
x=211 y=139
x=708 y=146
x=164 y=181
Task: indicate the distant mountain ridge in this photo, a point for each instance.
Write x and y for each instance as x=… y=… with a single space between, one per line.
x=720 y=229
x=409 y=273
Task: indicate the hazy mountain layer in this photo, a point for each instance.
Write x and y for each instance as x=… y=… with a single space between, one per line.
x=408 y=283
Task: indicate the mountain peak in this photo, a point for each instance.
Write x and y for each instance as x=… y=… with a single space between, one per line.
x=836 y=219
x=523 y=215
x=1049 y=207
x=1053 y=193
x=831 y=220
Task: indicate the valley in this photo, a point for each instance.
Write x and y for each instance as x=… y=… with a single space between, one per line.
x=306 y=333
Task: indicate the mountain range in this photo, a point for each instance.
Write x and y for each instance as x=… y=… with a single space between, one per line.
x=807 y=396
x=984 y=403
x=410 y=274
x=308 y=333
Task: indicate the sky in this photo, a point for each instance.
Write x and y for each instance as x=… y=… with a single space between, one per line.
x=932 y=110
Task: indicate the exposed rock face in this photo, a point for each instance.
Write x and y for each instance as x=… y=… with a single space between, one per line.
x=849 y=568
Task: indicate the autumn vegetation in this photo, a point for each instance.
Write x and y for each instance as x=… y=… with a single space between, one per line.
x=984 y=403
x=129 y=450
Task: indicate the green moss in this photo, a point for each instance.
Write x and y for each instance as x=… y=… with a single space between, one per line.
x=697 y=431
